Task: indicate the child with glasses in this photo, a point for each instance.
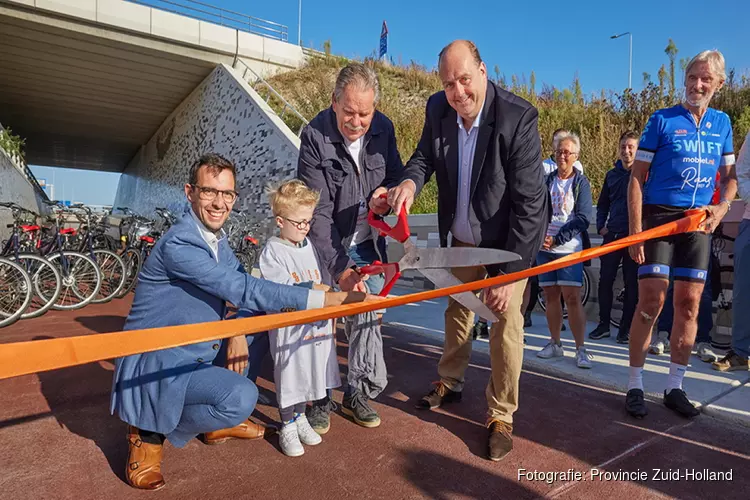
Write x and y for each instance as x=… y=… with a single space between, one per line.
x=304 y=356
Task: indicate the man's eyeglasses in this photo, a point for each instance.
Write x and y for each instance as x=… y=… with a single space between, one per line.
x=210 y=194
x=565 y=152
x=299 y=224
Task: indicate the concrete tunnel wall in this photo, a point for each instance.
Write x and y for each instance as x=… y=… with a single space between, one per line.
x=222 y=115
x=15 y=187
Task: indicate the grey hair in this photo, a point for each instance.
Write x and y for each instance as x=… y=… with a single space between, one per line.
x=567 y=136
x=357 y=74
x=715 y=60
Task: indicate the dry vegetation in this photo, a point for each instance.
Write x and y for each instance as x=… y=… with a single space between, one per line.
x=598 y=120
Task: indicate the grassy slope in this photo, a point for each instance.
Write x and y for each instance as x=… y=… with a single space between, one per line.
x=599 y=121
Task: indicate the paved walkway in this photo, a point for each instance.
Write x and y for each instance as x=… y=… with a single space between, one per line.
x=59 y=441
x=723 y=395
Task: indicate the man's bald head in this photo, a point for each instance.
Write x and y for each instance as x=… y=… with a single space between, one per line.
x=463 y=48
x=464 y=79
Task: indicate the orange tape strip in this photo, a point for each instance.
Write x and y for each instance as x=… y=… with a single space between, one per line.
x=23 y=358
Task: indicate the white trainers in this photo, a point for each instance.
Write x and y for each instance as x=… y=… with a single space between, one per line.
x=583 y=358
x=660 y=345
x=551 y=350
x=706 y=353
x=305 y=431
x=289 y=440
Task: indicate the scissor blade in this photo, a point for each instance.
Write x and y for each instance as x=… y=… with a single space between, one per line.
x=446 y=258
x=442 y=278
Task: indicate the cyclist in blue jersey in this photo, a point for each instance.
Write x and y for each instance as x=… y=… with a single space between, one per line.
x=681 y=150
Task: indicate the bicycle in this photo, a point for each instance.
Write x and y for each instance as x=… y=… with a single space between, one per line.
x=81 y=276
x=15 y=291
x=245 y=246
x=139 y=236
x=92 y=242
x=21 y=248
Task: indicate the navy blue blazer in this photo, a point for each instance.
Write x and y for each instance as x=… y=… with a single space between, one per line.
x=181 y=283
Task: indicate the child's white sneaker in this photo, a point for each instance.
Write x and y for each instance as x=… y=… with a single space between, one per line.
x=305 y=431
x=289 y=440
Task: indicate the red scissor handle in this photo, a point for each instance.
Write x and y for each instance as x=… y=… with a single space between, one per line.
x=400 y=232
x=392 y=274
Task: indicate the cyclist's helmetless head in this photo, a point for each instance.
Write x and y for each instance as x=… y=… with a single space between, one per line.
x=704 y=75
x=211 y=190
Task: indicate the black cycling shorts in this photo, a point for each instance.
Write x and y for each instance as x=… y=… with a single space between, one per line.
x=687 y=254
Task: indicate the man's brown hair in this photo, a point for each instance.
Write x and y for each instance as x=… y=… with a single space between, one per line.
x=215 y=164
x=629 y=134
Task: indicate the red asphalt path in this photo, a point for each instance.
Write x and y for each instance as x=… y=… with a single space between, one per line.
x=58 y=441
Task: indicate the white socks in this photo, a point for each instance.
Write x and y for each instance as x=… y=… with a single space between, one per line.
x=676 y=374
x=636 y=378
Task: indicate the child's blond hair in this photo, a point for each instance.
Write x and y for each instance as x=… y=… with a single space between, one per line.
x=289 y=195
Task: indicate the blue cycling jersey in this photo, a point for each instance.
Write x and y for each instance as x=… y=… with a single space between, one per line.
x=684 y=156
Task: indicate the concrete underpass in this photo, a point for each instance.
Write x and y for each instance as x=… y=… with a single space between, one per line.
x=116 y=86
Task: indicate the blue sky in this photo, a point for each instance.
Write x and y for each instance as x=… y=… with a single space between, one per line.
x=556 y=40
x=94 y=188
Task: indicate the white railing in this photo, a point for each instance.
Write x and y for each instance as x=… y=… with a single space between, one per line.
x=254 y=79
x=216 y=15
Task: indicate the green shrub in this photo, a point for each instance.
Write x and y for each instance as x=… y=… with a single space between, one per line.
x=11 y=143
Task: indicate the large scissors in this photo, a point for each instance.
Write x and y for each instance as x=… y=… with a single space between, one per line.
x=434 y=263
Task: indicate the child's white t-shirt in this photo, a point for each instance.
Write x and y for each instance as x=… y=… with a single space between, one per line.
x=304 y=356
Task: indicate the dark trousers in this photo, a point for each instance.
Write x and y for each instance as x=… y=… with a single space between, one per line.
x=607 y=276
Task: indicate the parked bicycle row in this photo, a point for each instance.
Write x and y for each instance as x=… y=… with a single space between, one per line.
x=71 y=259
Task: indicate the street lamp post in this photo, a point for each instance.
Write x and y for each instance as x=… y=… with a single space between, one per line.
x=630 y=66
x=299 y=25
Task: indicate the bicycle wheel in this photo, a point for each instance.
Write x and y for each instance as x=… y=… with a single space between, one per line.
x=81 y=280
x=132 y=259
x=113 y=275
x=585 y=293
x=46 y=283
x=15 y=292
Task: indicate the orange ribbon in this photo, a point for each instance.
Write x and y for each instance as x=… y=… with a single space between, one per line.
x=23 y=358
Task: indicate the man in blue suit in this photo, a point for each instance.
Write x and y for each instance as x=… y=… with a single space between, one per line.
x=190 y=276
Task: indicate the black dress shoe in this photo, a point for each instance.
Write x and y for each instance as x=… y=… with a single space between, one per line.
x=500 y=441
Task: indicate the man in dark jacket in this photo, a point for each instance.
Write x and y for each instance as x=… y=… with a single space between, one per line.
x=348 y=153
x=482 y=143
x=612 y=224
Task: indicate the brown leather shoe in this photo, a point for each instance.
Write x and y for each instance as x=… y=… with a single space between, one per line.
x=246 y=430
x=500 y=440
x=143 y=469
x=437 y=397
